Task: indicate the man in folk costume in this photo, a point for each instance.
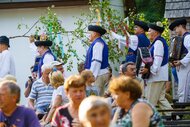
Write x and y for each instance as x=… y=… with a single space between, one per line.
x=7 y=65
x=97 y=57
x=159 y=70
x=46 y=54
x=135 y=41
x=35 y=53
x=183 y=64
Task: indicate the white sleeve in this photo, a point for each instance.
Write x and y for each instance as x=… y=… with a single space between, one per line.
x=60 y=90
x=6 y=64
x=1 y=61
x=133 y=42
x=48 y=58
x=121 y=39
x=158 y=57
x=186 y=60
x=96 y=58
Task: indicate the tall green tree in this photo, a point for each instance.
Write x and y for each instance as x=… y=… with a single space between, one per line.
x=153 y=9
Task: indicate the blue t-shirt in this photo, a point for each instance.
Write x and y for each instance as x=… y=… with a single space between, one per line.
x=21 y=117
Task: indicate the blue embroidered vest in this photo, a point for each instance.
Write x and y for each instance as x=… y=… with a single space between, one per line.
x=184 y=51
x=143 y=41
x=165 y=45
x=41 y=61
x=37 y=60
x=104 y=62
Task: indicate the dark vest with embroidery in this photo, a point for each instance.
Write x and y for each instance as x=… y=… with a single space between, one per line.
x=41 y=61
x=104 y=62
x=165 y=45
x=143 y=41
x=184 y=51
x=37 y=60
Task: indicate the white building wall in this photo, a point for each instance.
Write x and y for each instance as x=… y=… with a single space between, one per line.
x=19 y=47
x=118 y=5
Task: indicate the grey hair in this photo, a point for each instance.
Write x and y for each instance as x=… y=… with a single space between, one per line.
x=10 y=77
x=13 y=88
x=46 y=66
x=89 y=103
x=125 y=65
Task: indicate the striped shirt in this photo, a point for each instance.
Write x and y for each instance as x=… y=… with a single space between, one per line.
x=42 y=94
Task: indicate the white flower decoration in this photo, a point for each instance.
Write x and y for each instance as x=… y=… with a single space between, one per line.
x=159 y=24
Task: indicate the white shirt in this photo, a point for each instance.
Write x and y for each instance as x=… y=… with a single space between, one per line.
x=158 y=72
x=59 y=92
x=97 y=55
x=133 y=41
x=186 y=60
x=48 y=59
x=7 y=65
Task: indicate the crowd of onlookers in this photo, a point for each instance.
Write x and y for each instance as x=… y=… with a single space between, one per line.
x=94 y=97
x=74 y=101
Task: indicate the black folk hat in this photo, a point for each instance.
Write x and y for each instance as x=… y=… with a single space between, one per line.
x=4 y=40
x=177 y=22
x=157 y=26
x=97 y=29
x=43 y=41
x=141 y=24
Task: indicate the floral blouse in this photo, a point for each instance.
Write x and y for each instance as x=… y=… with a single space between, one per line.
x=125 y=119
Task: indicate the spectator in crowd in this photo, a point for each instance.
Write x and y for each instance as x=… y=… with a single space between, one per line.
x=58 y=66
x=41 y=93
x=155 y=91
x=133 y=111
x=59 y=97
x=7 y=64
x=80 y=67
x=91 y=89
x=11 y=114
x=43 y=49
x=183 y=65
x=129 y=69
x=97 y=57
x=31 y=80
x=67 y=115
x=95 y=112
x=120 y=67
x=10 y=78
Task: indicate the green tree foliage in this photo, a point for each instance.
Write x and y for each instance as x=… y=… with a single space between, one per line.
x=152 y=9
x=100 y=13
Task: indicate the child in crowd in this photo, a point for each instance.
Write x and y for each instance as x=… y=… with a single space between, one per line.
x=91 y=89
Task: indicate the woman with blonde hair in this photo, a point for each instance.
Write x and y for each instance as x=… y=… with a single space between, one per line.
x=59 y=97
x=91 y=88
x=133 y=112
x=94 y=111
